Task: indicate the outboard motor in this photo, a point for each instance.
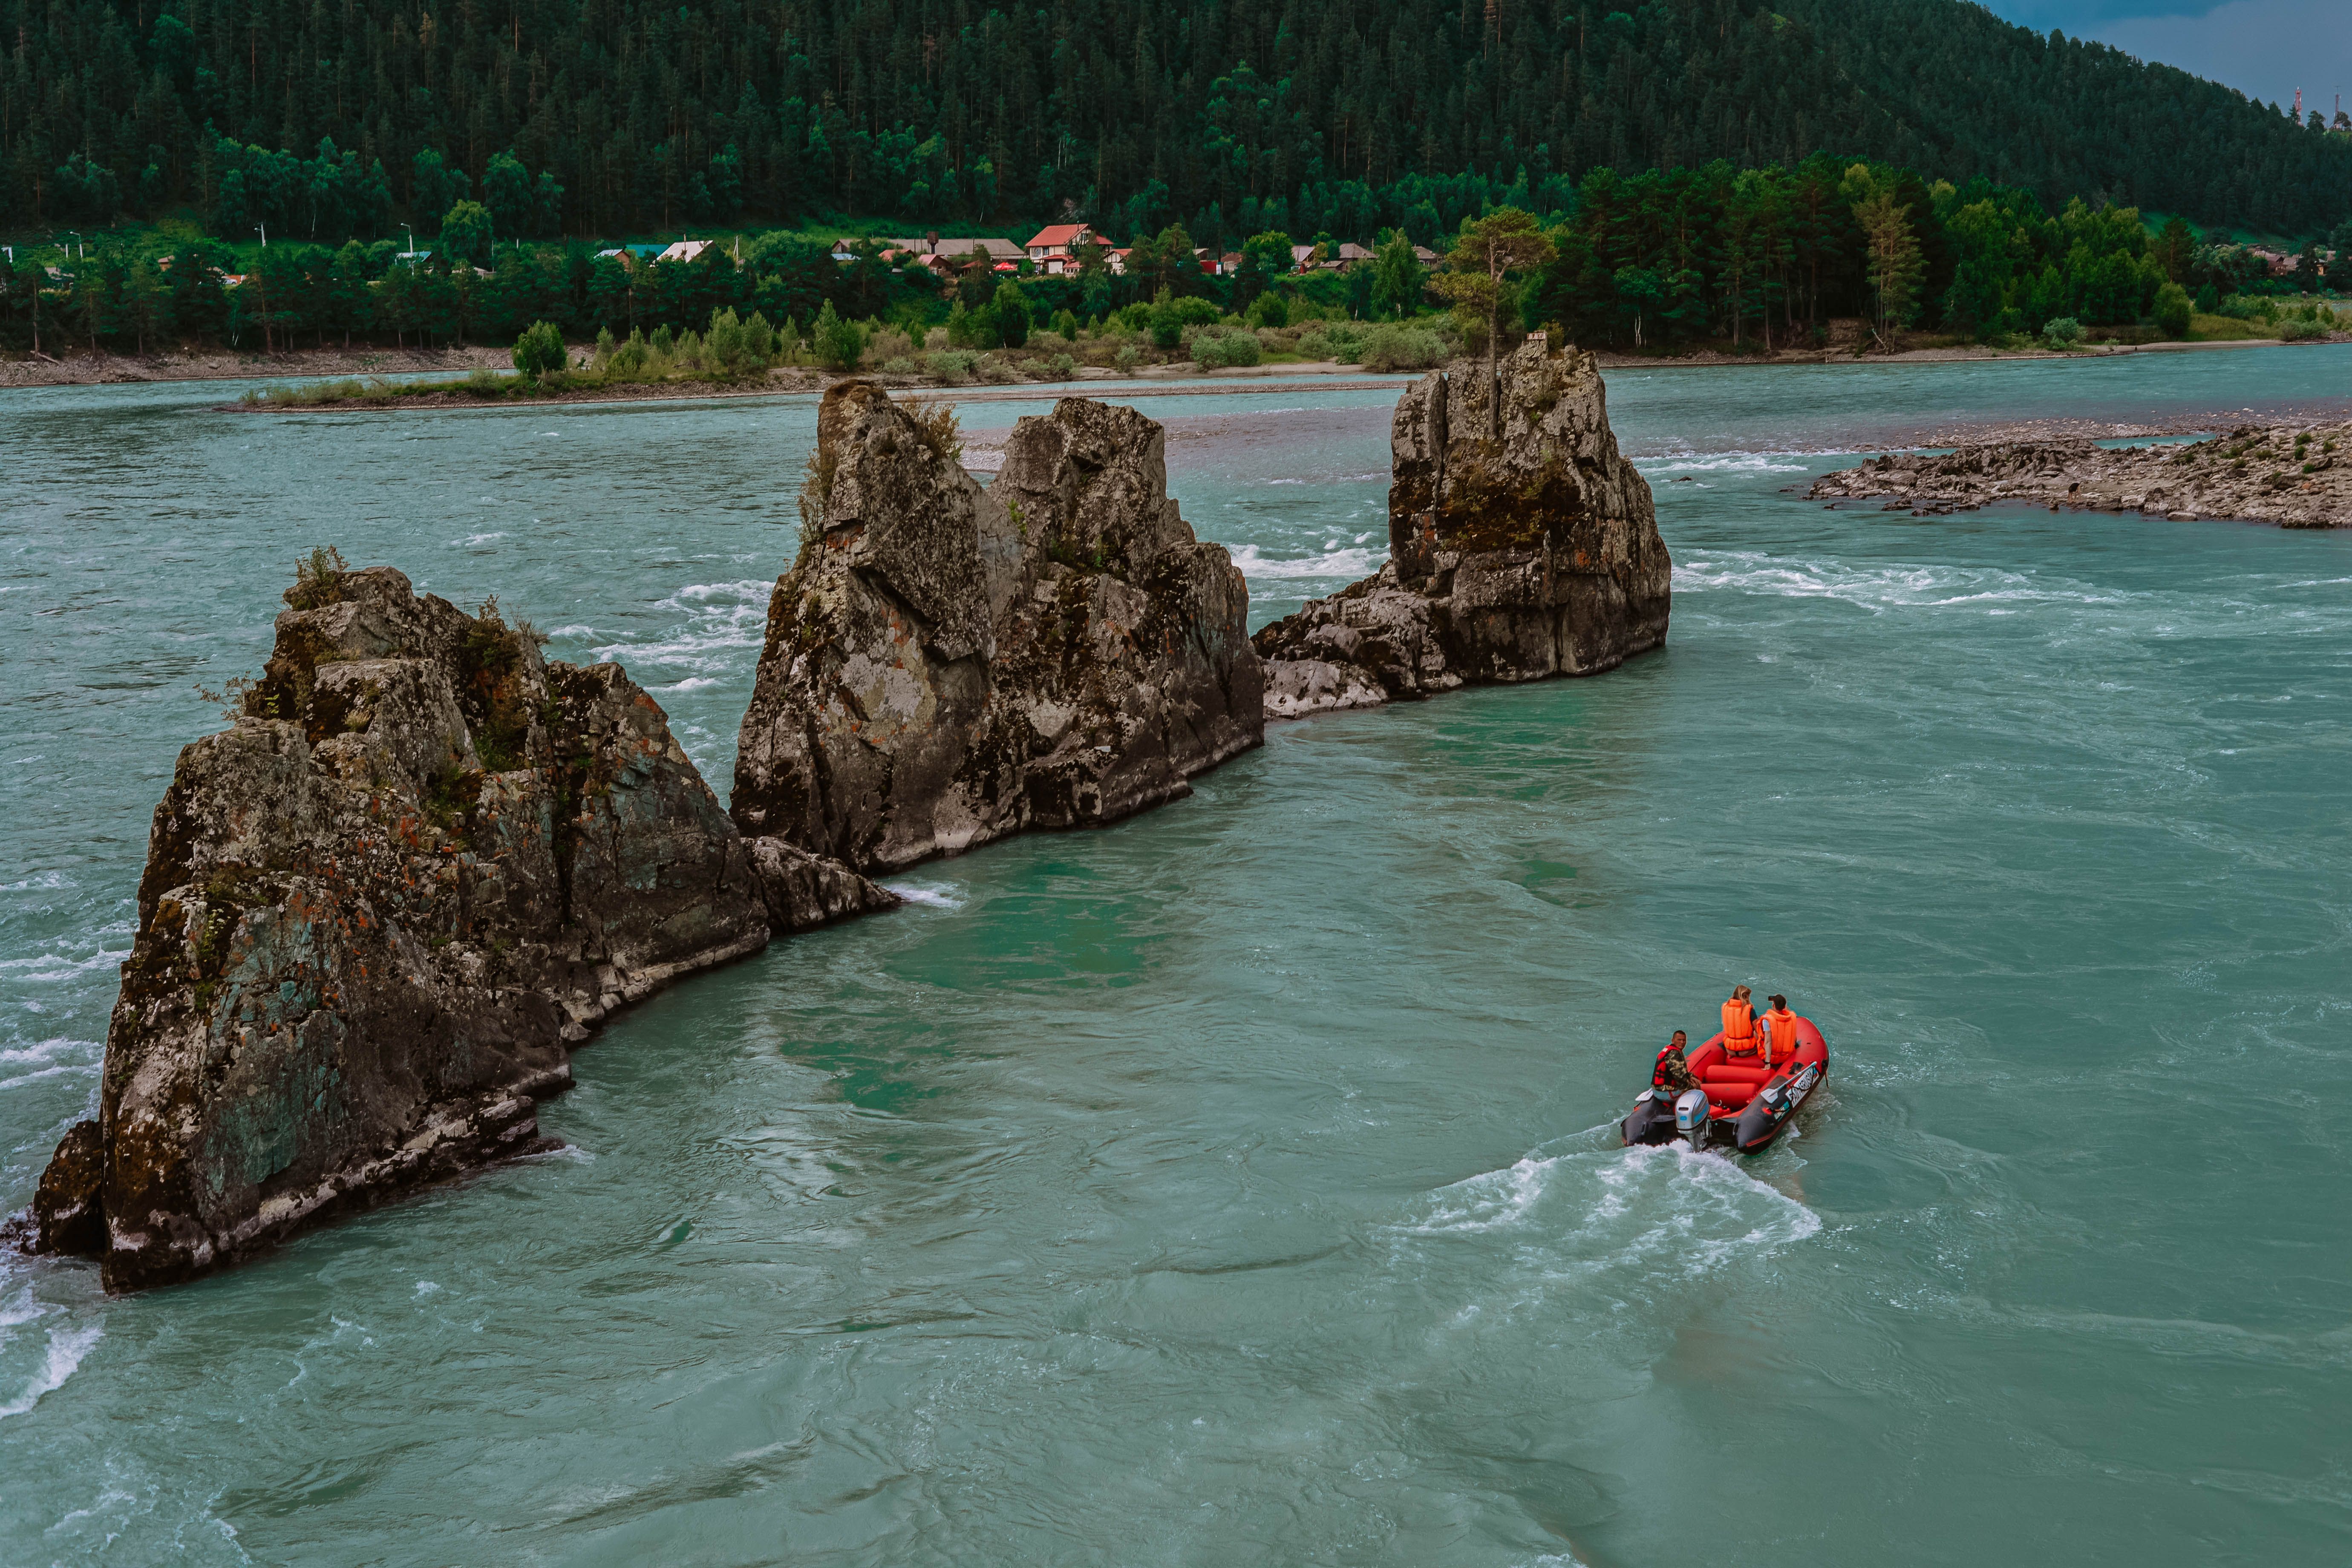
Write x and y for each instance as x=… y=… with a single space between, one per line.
x=1690 y=1117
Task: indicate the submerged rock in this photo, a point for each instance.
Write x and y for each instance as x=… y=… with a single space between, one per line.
x=1520 y=545
x=946 y=664
x=2297 y=476
x=376 y=914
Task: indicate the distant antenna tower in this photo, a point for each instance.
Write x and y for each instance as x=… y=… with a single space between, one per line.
x=2298 y=106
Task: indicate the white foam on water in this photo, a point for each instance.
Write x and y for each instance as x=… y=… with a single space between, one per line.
x=44 y=966
x=1350 y=561
x=1661 y=1213
x=65 y=1345
x=931 y=895
x=50 y=1050
x=721 y=619
x=21 y=1308
x=475 y=539
x=46 y=881
x=691 y=683
x=1722 y=462
x=61 y=1070
x=66 y=1348
x=1879 y=588
x=697 y=592
x=1490 y=1200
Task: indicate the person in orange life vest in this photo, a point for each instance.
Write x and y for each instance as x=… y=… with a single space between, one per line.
x=1780 y=1032
x=1741 y=1037
x=1672 y=1074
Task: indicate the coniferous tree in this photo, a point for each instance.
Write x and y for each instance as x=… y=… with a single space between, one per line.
x=1477 y=279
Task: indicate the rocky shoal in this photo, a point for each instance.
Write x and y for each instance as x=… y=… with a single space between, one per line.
x=2297 y=476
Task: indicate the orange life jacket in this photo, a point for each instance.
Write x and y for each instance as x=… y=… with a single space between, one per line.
x=1738 y=1028
x=1784 y=1033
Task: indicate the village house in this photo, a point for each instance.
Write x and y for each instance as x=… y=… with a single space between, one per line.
x=684 y=250
x=1056 y=247
x=1335 y=259
x=945 y=254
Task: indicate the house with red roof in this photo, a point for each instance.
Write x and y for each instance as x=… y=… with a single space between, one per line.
x=1056 y=247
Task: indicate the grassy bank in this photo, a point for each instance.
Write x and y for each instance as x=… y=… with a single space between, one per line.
x=510 y=386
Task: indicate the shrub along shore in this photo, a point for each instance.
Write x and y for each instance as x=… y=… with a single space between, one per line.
x=739 y=353
x=672 y=378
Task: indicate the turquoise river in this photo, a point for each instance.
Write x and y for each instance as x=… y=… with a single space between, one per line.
x=1239 y=1186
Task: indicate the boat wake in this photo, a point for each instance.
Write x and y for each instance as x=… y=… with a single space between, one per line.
x=1596 y=1211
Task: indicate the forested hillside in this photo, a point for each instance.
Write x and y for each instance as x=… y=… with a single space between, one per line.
x=635 y=115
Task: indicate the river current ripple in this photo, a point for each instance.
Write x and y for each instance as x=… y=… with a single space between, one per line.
x=1237 y=1186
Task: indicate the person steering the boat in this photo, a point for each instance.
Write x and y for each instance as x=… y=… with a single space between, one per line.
x=1779 y=1031
x=1741 y=1037
x=1673 y=1075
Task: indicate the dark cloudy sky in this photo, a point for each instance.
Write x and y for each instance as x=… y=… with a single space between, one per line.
x=2266 y=49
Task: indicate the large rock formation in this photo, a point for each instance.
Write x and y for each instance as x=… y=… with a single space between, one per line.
x=1520 y=545
x=2297 y=476
x=377 y=913
x=946 y=665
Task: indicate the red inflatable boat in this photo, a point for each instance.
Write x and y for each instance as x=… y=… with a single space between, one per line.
x=1745 y=1103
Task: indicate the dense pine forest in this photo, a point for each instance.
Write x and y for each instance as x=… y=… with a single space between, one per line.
x=327 y=122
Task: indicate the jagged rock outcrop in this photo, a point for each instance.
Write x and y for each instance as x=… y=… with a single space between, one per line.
x=946 y=664
x=2297 y=476
x=377 y=912
x=1520 y=545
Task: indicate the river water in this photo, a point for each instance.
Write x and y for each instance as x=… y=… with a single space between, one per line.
x=1238 y=1185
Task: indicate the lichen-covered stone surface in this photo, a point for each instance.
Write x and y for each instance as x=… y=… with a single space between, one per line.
x=1520 y=545
x=377 y=913
x=947 y=664
x=2297 y=476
